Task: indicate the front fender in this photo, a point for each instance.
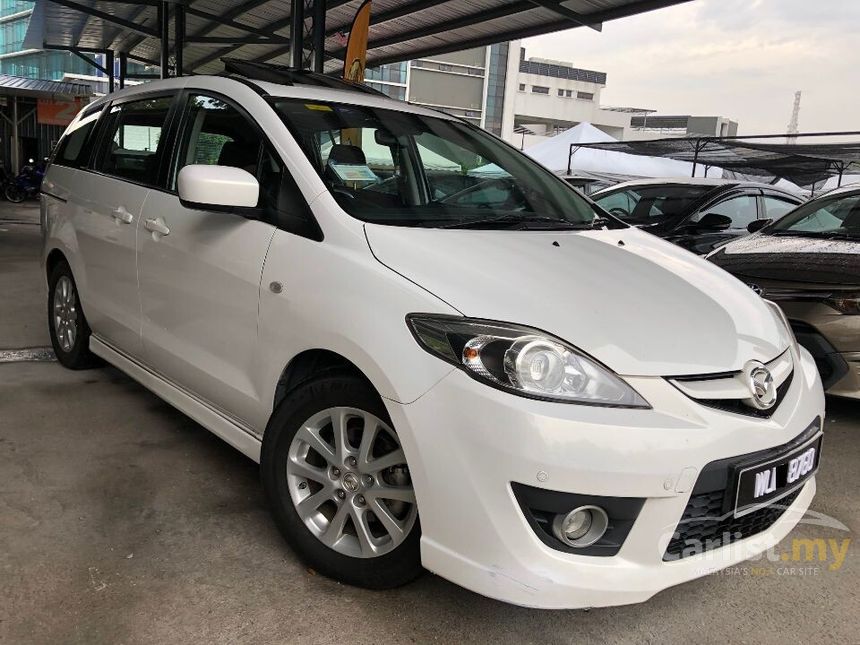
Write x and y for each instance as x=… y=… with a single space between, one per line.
x=338 y=297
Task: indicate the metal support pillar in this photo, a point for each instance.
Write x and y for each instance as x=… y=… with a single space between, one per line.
x=698 y=147
x=297 y=32
x=179 y=36
x=109 y=58
x=319 y=35
x=16 y=152
x=164 y=36
x=123 y=68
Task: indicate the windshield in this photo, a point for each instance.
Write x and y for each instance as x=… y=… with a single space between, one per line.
x=653 y=203
x=837 y=216
x=403 y=169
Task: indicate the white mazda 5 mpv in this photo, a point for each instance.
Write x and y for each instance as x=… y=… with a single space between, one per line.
x=441 y=355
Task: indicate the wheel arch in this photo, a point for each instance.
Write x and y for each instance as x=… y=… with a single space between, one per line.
x=310 y=363
x=55 y=256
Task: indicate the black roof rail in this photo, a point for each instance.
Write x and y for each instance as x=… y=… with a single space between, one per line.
x=284 y=75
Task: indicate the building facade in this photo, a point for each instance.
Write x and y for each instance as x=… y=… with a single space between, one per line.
x=31 y=63
x=658 y=126
x=47 y=65
x=456 y=83
x=523 y=100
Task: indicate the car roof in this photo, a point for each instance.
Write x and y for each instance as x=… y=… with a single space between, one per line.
x=842 y=190
x=295 y=91
x=696 y=181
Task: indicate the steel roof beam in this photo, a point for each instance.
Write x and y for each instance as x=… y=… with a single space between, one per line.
x=449 y=25
x=481 y=41
x=116 y=20
x=237 y=40
x=576 y=18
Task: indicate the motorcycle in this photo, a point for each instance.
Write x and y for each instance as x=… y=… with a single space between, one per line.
x=26 y=184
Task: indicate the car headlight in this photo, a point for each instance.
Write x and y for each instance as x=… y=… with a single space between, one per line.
x=522 y=360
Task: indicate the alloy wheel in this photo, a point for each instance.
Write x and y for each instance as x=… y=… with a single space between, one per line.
x=65 y=311
x=348 y=479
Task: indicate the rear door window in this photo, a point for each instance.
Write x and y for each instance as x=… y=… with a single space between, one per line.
x=132 y=143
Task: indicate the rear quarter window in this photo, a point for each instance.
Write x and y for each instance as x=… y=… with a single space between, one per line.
x=73 y=149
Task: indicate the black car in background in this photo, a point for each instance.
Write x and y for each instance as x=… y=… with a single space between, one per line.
x=809 y=264
x=697 y=214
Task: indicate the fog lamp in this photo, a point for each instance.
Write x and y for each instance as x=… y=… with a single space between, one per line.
x=581 y=527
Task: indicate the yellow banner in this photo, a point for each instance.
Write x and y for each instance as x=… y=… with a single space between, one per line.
x=354 y=62
x=356 y=46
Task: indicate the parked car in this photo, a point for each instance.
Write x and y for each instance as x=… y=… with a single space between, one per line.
x=555 y=394
x=809 y=263
x=698 y=214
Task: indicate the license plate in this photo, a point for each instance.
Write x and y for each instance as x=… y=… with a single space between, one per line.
x=767 y=482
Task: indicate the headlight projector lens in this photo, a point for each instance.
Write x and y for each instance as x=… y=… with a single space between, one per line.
x=581 y=527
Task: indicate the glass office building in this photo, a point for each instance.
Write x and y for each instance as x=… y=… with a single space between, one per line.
x=31 y=63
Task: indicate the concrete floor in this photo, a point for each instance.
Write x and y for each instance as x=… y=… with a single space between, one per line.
x=123 y=521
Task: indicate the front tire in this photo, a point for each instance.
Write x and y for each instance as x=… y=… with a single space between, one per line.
x=70 y=333
x=338 y=485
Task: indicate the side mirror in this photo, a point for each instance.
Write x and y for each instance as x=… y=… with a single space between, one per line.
x=714 y=222
x=758 y=224
x=217 y=187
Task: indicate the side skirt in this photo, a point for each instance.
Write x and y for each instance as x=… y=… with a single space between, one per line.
x=236 y=435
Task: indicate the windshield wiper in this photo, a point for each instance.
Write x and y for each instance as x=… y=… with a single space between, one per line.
x=519 y=222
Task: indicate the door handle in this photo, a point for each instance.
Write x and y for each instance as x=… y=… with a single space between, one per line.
x=121 y=215
x=157 y=225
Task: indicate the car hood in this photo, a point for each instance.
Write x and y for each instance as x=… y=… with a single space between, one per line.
x=792 y=259
x=636 y=303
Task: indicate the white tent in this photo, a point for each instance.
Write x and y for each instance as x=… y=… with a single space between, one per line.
x=553 y=153
x=833 y=182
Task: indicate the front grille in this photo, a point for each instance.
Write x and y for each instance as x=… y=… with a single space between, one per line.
x=739 y=407
x=704 y=527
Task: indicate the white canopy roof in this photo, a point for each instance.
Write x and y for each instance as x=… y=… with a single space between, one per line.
x=553 y=153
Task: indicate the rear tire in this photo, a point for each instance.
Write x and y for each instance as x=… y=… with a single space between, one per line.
x=70 y=333
x=358 y=522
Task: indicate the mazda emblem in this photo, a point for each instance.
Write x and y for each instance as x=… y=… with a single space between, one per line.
x=761 y=386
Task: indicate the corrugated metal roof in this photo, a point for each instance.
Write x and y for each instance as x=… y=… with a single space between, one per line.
x=16 y=85
x=400 y=29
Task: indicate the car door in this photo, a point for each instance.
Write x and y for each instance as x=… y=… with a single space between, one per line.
x=106 y=202
x=200 y=269
x=740 y=207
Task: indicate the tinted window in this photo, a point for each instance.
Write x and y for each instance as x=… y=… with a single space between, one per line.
x=407 y=169
x=775 y=207
x=741 y=210
x=132 y=141
x=837 y=216
x=217 y=133
x=72 y=149
x=652 y=203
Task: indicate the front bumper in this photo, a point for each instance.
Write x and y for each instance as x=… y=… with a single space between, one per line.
x=467 y=443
